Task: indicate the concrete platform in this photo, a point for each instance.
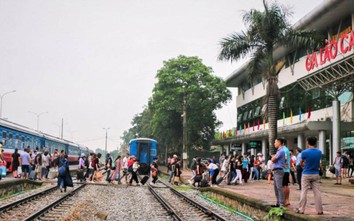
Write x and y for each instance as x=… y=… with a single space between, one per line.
x=338 y=200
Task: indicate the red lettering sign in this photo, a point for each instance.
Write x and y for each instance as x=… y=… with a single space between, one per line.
x=330 y=51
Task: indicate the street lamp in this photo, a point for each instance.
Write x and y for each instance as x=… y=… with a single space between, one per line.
x=1 y=96
x=105 y=148
x=38 y=115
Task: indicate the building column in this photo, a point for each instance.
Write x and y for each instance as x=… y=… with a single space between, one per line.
x=322 y=141
x=301 y=141
x=243 y=148
x=228 y=149
x=336 y=128
x=264 y=148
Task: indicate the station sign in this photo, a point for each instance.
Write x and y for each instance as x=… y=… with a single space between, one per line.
x=236 y=147
x=330 y=51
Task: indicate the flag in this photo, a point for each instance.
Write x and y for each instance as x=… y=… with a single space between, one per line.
x=283 y=118
x=248 y=127
x=244 y=128
x=300 y=114
x=258 y=125
x=291 y=116
x=308 y=112
x=240 y=130
x=264 y=121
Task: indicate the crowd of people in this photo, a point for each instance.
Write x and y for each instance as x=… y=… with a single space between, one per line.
x=36 y=164
x=233 y=170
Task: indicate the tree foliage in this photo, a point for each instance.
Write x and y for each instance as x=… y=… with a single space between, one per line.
x=266 y=30
x=162 y=118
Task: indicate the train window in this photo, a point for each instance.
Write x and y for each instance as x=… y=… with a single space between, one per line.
x=10 y=140
x=4 y=138
x=16 y=142
x=23 y=143
x=27 y=142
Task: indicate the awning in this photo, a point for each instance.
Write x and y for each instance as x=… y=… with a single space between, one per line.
x=340 y=72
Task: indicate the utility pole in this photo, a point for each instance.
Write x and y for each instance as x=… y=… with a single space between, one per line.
x=185 y=154
x=38 y=115
x=62 y=128
x=1 y=97
x=105 y=148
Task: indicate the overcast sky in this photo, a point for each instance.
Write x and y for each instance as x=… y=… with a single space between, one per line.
x=94 y=63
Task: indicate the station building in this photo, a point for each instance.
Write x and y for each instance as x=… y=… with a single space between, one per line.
x=316 y=92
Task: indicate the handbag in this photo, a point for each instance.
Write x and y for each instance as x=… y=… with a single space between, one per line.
x=176 y=179
x=332 y=169
x=19 y=170
x=154 y=173
x=99 y=175
x=198 y=178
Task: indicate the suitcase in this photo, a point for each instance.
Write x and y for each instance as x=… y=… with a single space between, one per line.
x=3 y=171
x=204 y=183
x=144 y=179
x=33 y=175
x=219 y=180
x=80 y=175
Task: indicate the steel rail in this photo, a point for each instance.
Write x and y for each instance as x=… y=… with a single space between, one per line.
x=205 y=210
x=53 y=205
x=165 y=204
x=8 y=206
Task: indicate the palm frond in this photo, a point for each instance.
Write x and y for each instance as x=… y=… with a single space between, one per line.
x=235 y=46
x=257 y=64
x=303 y=39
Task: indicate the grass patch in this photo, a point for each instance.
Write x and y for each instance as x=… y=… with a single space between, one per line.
x=182 y=188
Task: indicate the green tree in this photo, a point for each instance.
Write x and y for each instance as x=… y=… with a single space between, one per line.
x=266 y=30
x=186 y=78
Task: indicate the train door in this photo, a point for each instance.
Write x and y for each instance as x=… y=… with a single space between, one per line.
x=144 y=157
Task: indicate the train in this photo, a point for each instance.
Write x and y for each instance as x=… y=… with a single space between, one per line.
x=145 y=150
x=14 y=135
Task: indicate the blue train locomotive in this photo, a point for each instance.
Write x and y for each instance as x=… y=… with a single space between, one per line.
x=144 y=149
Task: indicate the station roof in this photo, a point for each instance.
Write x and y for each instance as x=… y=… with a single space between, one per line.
x=321 y=18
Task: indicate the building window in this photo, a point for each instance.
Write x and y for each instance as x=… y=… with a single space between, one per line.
x=250 y=114
x=257 y=111
x=239 y=118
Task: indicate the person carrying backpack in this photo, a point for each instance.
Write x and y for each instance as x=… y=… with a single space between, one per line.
x=108 y=166
x=64 y=178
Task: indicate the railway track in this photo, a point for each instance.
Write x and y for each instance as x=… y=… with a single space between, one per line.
x=181 y=207
x=37 y=204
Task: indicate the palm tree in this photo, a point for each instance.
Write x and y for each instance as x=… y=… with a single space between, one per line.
x=266 y=31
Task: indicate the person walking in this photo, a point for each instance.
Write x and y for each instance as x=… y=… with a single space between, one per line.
x=278 y=171
x=238 y=171
x=298 y=166
x=25 y=163
x=338 y=164
x=118 y=166
x=64 y=178
x=135 y=168
x=199 y=172
x=154 y=170
x=15 y=163
x=286 y=177
x=311 y=158
x=108 y=166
